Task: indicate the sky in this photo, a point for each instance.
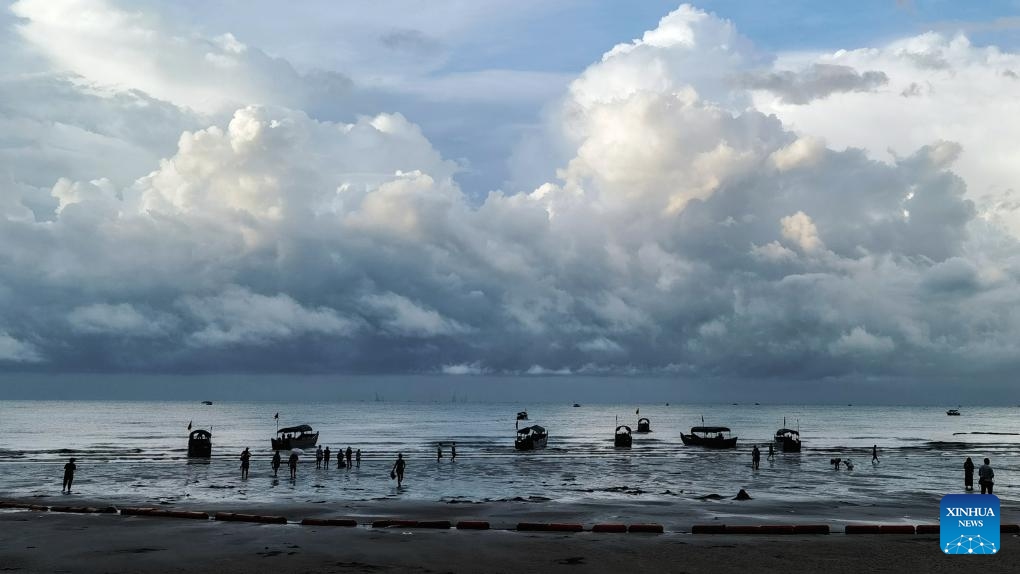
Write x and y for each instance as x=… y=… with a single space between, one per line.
x=747 y=194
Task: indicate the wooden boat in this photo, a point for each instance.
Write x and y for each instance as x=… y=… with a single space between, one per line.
x=522 y=416
x=576 y=405
x=788 y=440
x=200 y=444
x=709 y=437
x=644 y=425
x=623 y=438
x=206 y=402
x=300 y=436
x=530 y=438
x=953 y=412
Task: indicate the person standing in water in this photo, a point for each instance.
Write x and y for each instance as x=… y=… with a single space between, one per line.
x=245 y=459
x=398 y=470
x=69 y=469
x=325 y=458
x=755 y=457
x=874 y=454
x=985 y=477
x=357 y=458
x=292 y=461
x=968 y=474
x=772 y=451
x=453 y=452
x=350 y=454
x=318 y=457
x=439 y=452
x=276 y=462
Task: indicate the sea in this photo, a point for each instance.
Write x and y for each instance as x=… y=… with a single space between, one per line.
x=137 y=451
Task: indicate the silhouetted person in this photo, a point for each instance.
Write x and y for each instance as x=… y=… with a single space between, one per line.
x=398 y=469
x=350 y=455
x=292 y=461
x=340 y=458
x=772 y=451
x=835 y=462
x=276 y=462
x=68 y=476
x=755 y=457
x=453 y=452
x=439 y=452
x=357 y=458
x=874 y=454
x=968 y=474
x=985 y=477
x=325 y=458
x=318 y=457
x=245 y=458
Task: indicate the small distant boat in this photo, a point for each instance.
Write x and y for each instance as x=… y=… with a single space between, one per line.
x=200 y=444
x=644 y=425
x=953 y=412
x=206 y=402
x=522 y=416
x=788 y=440
x=530 y=438
x=709 y=437
x=623 y=438
x=576 y=405
x=290 y=438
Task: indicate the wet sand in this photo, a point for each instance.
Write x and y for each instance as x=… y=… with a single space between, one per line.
x=53 y=542
x=675 y=514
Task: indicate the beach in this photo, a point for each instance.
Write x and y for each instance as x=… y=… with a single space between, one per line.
x=132 y=455
x=52 y=542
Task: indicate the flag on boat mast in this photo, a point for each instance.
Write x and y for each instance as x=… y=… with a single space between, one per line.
x=189 y=424
x=276 y=416
x=638 y=411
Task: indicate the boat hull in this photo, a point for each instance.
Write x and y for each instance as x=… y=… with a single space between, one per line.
x=695 y=440
x=788 y=445
x=199 y=448
x=302 y=442
x=531 y=443
x=623 y=441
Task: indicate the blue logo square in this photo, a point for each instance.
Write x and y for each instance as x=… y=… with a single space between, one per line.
x=969 y=524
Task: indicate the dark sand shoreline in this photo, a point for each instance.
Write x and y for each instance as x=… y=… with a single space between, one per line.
x=53 y=542
x=674 y=515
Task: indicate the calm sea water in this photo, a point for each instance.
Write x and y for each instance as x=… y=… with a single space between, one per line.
x=138 y=450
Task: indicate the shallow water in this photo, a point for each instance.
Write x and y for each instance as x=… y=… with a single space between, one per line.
x=137 y=450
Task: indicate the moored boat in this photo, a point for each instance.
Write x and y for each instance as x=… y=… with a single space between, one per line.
x=709 y=437
x=301 y=436
x=530 y=438
x=200 y=444
x=522 y=416
x=788 y=440
x=644 y=425
x=953 y=412
x=623 y=437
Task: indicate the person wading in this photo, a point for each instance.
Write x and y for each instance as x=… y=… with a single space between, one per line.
x=276 y=462
x=69 y=469
x=245 y=461
x=985 y=477
x=292 y=461
x=968 y=474
x=397 y=471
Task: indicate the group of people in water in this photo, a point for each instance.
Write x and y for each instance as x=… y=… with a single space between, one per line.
x=351 y=458
x=986 y=476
